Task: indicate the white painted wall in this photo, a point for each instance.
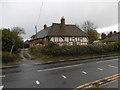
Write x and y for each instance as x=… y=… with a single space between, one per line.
x=79 y=40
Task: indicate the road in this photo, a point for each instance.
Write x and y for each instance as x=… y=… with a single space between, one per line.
x=112 y=84
x=58 y=75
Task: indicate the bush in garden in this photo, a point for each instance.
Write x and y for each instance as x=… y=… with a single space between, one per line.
x=117 y=46
x=7 y=57
x=51 y=45
x=49 y=49
x=109 y=48
x=97 y=49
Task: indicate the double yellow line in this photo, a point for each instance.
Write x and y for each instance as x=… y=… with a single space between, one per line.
x=97 y=83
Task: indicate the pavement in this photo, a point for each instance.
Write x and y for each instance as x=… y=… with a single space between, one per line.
x=59 y=75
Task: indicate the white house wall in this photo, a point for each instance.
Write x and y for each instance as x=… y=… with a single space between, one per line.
x=70 y=40
x=52 y=39
x=84 y=39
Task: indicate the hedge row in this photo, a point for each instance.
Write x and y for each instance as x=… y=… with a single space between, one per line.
x=56 y=50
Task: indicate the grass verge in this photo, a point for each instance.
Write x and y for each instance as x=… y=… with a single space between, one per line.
x=58 y=58
x=25 y=55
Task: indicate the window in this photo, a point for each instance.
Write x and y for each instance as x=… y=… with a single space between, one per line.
x=74 y=43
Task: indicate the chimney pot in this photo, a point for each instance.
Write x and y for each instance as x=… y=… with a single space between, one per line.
x=62 y=22
x=45 y=26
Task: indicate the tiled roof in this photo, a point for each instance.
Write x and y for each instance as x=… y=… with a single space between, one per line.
x=55 y=30
x=43 y=33
x=115 y=37
x=70 y=30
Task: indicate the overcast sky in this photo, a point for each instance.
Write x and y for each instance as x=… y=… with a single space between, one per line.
x=26 y=14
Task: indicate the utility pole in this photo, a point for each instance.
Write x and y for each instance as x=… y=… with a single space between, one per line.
x=36 y=31
x=12 y=47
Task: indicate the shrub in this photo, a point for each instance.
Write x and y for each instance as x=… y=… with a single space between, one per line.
x=51 y=45
x=56 y=50
x=117 y=45
x=50 y=49
x=6 y=57
x=95 y=49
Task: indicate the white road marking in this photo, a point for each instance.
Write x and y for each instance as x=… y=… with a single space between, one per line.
x=59 y=67
x=1 y=87
x=100 y=69
x=2 y=76
x=112 y=66
x=64 y=76
x=107 y=61
x=84 y=72
x=37 y=82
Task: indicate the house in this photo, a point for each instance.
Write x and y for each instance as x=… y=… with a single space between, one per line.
x=61 y=33
x=115 y=37
x=26 y=44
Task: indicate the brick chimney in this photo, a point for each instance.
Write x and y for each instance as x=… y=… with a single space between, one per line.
x=62 y=23
x=45 y=26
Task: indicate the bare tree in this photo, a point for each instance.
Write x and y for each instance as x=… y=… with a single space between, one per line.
x=87 y=25
x=18 y=30
x=90 y=29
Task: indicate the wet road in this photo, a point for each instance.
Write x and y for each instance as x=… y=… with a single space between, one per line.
x=112 y=84
x=59 y=75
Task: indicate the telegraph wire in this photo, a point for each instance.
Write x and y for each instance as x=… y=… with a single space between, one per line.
x=39 y=13
x=38 y=18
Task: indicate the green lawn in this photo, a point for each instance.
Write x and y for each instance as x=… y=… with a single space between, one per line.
x=25 y=55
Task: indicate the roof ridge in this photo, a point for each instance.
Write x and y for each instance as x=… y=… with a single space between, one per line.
x=65 y=24
x=44 y=29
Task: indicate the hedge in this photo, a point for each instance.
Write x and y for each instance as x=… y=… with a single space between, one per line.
x=56 y=50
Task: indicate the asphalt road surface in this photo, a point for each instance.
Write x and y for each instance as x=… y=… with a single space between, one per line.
x=112 y=84
x=59 y=75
